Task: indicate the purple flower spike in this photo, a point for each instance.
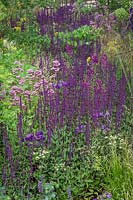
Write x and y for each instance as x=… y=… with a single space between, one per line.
x=69 y=49
x=108 y=196
x=104 y=60
x=94 y=59
x=29 y=137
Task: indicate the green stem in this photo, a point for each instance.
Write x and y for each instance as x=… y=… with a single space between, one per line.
x=123 y=68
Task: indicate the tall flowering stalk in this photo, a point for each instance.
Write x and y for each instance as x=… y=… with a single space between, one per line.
x=20 y=123
x=9 y=158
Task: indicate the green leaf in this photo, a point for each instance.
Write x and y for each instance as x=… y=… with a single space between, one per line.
x=75 y=44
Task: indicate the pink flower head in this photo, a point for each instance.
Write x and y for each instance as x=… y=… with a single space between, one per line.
x=14 y=87
x=30 y=72
x=26 y=93
x=21 y=81
x=55 y=69
x=16 y=98
x=20 y=69
x=17 y=77
x=38 y=73
x=92 y=24
x=44 y=81
x=56 y=63
x=15 y=71
x=12 y=92
x=17 y=89
x=34 y=93
x=37 y=85
x=50 y=92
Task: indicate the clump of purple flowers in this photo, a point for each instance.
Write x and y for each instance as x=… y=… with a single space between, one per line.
x=37 y=137
x=29 y=137
x=80 y=129
x=108 y=196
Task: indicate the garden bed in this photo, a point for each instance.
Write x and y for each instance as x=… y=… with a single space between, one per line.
x=66 y=95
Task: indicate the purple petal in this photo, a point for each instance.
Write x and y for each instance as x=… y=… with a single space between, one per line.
x=39 y=133
x=108 y=195
x=29 y=137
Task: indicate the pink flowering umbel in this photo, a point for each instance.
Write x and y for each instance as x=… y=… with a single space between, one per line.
x=29 y=83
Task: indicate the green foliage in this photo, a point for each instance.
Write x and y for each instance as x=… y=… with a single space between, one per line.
x=48 y=192
x=81 y=7
x=29 y=40
x=44 y=4
x=7 y=112
x=8 y=57
x=121 y=14
x=119 y=172
x=29 y=4
x=119 y=49
x=85 y=9
x=3 y=11
x=3 y=195
x=84 y=34
x=78 y=172
x=4 y=2
x=114 y=4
